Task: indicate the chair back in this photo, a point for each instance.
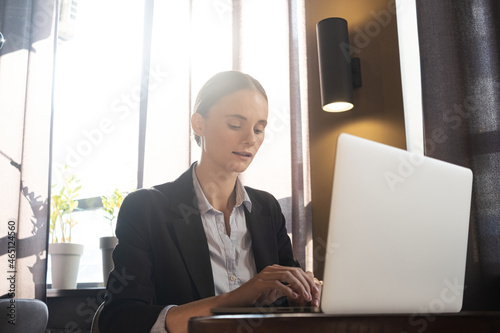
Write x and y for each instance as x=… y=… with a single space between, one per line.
x=23 y=315
x=95 y=321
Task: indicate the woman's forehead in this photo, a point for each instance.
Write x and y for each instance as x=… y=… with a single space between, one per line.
x=242 y=104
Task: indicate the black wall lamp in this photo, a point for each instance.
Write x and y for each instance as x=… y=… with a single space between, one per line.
x=338 y=73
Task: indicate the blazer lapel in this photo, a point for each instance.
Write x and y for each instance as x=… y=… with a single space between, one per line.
x=263 y=242
x=189 y=231
x=194 y=249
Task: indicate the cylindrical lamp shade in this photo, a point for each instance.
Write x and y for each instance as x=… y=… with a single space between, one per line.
x=334 y=65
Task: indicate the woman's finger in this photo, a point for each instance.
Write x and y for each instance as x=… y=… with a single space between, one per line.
x=306 y=287
x=271 y=290
x=295 y=278
x=287 y=277
x=317 y=295
x=276 y=281
x=283 y=276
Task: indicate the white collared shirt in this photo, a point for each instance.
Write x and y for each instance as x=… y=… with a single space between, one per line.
x=231 y=256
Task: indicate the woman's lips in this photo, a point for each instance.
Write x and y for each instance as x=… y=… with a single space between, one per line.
x=243 y=153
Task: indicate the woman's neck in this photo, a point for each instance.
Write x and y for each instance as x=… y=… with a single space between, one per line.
x=218 y=186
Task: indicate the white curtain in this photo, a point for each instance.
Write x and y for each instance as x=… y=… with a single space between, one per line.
x=26 y=63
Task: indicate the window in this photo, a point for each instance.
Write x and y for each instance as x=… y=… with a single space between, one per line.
x=96 y=92
x=100 y=96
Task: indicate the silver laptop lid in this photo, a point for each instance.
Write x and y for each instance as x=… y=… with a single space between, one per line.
x=397 y=237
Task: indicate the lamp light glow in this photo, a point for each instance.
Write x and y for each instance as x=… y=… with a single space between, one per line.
x=338 y=107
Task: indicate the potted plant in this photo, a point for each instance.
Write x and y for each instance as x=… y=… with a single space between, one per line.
x=111 y=205
x=64 y=254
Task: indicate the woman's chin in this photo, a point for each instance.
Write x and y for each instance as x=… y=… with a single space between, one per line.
x=238 y=166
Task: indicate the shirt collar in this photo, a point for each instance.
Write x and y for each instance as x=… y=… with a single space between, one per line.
x=205 y=206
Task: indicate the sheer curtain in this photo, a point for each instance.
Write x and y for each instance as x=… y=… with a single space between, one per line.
x=26 y=63
x=193 y=40
x=460 y=52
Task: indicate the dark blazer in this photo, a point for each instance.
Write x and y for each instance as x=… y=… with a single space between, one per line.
x=162 y=255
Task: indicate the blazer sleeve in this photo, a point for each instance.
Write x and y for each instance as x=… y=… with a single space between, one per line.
x=285 y=252
x=130 y=296
x=267 y=227
x=283 y=246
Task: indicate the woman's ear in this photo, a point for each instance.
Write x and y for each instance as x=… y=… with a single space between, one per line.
x=198 y=123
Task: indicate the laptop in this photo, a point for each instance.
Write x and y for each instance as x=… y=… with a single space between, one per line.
x=397 y=236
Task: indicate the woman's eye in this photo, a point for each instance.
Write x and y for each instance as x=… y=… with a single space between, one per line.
x=258 y=131
x=231 y=126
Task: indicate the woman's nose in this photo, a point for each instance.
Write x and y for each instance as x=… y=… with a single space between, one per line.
x=250 y=138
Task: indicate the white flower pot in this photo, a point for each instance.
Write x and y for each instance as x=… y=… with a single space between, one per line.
x=107 y=245
x=65 y=263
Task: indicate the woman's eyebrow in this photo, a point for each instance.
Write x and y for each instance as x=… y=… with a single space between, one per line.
x=239 y=116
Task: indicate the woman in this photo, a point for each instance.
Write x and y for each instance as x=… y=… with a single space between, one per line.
x=205 y=240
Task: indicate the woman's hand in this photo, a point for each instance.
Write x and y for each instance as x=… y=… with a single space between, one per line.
x=315 y=294
x=274 y=282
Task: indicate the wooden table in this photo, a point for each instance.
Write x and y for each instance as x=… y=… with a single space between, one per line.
x=465 y=322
